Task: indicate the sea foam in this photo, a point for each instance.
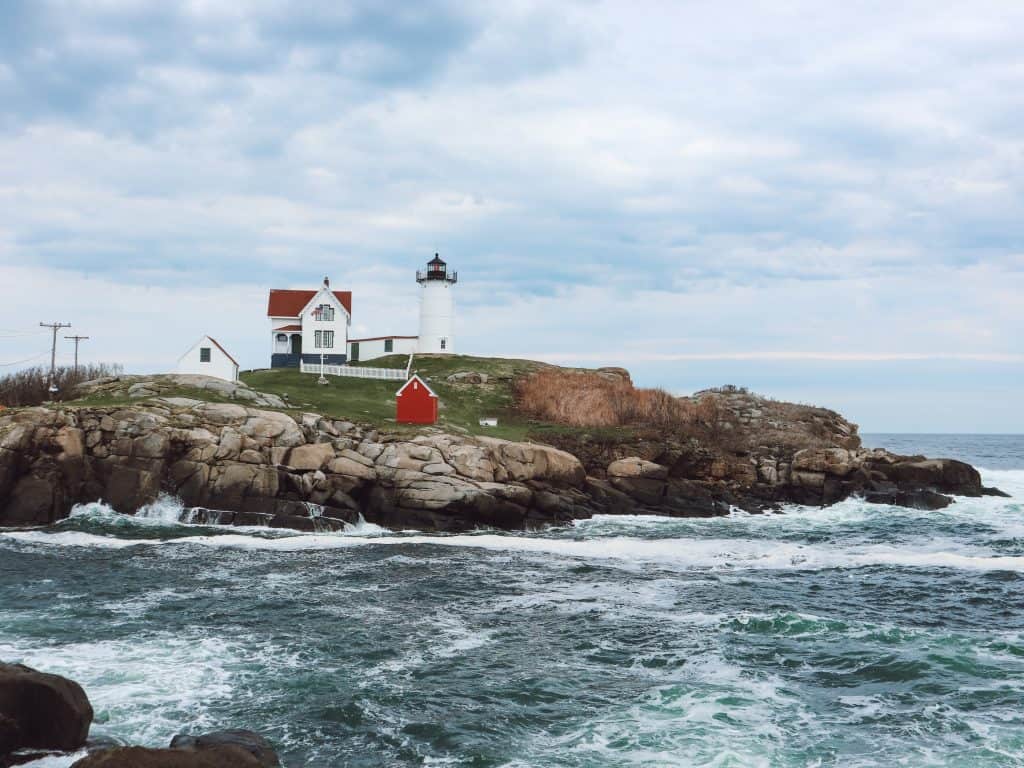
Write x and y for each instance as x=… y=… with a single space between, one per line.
x=685 y=553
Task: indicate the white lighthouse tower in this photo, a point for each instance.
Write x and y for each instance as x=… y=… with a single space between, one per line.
x=437 y=309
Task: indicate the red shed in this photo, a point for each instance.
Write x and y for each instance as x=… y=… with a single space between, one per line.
x=416 y=403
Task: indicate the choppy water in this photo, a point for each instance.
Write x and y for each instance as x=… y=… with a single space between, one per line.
x=852 y=636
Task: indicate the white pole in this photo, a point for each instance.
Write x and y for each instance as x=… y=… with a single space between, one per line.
x=323 y=379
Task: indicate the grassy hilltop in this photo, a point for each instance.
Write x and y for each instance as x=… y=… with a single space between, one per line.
x=370 y=400
x=531 y=400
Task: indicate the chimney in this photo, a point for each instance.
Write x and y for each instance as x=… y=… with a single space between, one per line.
x=327 y=282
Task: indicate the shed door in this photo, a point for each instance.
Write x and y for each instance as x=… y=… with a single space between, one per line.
x=355 y=352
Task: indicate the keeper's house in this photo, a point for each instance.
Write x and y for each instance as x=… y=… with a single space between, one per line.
x=307 y=324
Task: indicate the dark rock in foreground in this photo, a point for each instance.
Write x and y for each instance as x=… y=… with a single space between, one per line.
x=41 y=711
x=221 y=749
x=141 y=757
x=251 y=742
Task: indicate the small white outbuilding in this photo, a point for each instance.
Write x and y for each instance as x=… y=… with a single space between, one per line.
x=208 y=358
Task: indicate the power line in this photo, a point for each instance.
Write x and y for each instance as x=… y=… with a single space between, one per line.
x=26 y=360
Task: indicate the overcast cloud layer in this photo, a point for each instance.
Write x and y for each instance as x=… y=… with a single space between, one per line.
x=824 y=203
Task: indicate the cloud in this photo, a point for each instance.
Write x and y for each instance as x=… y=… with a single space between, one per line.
x=661 y=185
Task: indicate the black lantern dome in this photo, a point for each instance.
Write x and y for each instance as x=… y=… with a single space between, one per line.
x=437 y=270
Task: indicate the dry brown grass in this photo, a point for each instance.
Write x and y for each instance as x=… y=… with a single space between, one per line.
x=31 y=385
x=587 y=399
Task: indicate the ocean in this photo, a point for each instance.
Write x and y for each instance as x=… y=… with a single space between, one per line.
x=858 y=635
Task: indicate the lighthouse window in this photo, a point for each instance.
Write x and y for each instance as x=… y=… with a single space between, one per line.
x=204 y=354
x=444 y=343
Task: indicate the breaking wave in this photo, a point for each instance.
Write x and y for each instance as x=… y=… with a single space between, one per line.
x=858 y=635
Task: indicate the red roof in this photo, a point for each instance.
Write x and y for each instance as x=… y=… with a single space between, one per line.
x=284 y=303
x=289 y=328
x=217 y=344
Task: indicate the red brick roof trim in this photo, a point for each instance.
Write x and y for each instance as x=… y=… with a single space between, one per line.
x=289 y=328
x=288 y=303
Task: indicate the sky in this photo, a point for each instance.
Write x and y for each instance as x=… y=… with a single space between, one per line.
x=821 y=201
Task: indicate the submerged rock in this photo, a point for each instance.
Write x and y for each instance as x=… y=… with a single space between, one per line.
x=41 y=711
x=221 y=749
x=142 y=757
x=250 y=741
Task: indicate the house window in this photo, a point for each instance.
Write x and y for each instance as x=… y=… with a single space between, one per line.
x=389 y=345
x=323 y=339
x=324 y=312
x=282 y=338
x=444 y=343
x=204 y=354
x=329 y=339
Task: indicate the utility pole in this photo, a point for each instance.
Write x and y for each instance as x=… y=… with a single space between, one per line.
x=76 y=339
x=53 y=350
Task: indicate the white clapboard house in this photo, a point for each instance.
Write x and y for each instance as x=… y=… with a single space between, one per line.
x=209 y=358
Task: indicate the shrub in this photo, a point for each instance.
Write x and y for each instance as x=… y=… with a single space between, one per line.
x=31 y=385
x=586 y=399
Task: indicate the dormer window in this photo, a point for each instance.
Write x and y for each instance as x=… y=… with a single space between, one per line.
x=325 y=313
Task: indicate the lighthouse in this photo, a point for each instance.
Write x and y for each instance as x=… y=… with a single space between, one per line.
x=437 y=309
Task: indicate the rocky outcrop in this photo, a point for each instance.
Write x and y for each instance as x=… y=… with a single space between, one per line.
x=41 y=711
x=755 y=453
x=144 y=387
x=268 y=468
x=238 y=464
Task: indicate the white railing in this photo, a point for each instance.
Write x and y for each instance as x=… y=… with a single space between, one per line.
x=387 y=374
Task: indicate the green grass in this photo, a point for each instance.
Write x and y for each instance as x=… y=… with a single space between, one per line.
x=369 y=400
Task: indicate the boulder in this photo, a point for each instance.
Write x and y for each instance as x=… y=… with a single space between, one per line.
x=251 y=742
x=222 y=413
x=531 y=461
x=31 y=502
x=943 y=475
x=140 y=757
x=41 y=711
x=918 y=499
x=832 y=461
x=637 y=467
x=467 y=377
x=310 y=457
x=641 y=480
x=347 y=465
